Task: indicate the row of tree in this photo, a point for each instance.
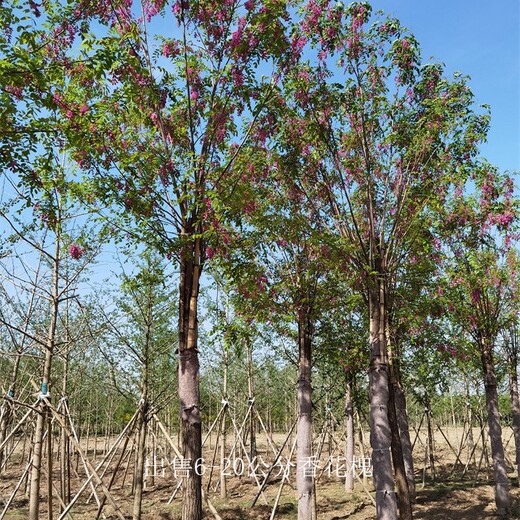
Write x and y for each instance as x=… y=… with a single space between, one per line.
x=305 y=154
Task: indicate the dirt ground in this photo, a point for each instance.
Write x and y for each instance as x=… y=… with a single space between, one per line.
x=461 y=491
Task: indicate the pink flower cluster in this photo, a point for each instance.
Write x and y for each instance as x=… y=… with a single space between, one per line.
x=76 y=252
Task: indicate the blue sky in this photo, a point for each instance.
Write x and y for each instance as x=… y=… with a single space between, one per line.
x=480 y=38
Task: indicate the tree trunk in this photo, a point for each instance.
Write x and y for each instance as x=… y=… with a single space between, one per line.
x=64 y=438
x=502 y=498
x=431 y=447
x=349 y=428
x=380 y=434
x=251 y=404
x=403 y=493
x=515 y=401
x=404 y=432
x=139 y=467
x=223 y=431
x=34 y=491
x=404 y=501
x=304 y=461
x=189 y=392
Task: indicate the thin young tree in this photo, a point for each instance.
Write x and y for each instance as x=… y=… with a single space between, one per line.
x=143 y=326
x=45 y=232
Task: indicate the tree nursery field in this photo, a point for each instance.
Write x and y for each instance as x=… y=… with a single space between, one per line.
x=253 y=263
x=461 y=490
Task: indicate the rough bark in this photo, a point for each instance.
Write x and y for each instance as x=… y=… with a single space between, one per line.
x=304 y=461
x=515 y=402
x=404 y=432
x=380 y=434
x=502 y=497
x=403 y=493
x=189 y=393
x=349 y=443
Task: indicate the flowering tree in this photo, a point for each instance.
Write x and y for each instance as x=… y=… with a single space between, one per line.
x=390 y=135
x=482 y=286
x=156 y=126
x=281 y=264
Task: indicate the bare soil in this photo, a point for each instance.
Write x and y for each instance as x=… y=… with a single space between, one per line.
x=461 y=491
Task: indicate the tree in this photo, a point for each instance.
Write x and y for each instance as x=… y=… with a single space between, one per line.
x=481 y=284
x=164 y=130
x=142 y=326
x=279 y=271
x=389 y=136
x=48 y=233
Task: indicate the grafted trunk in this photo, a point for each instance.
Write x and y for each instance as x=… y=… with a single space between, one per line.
x=502 y=498
x=189 y=393
x=349 y=429
x=304 y=462
x=380 y=434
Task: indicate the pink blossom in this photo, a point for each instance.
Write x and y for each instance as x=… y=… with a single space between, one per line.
x=75 y=251
x=504 y=219
x=83 y=109
x=57 y=98
x=16 y=91
x=210 y=252
x=167 y=50
x=238 y=77
x=237 y=36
